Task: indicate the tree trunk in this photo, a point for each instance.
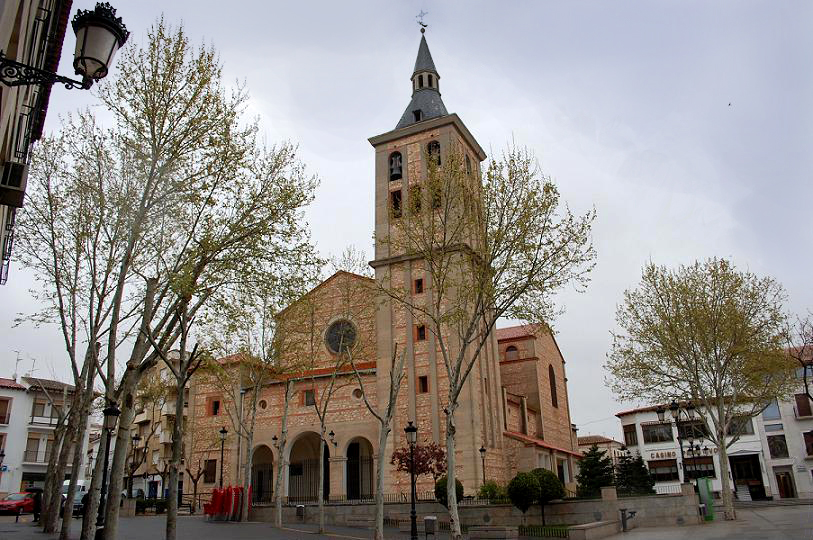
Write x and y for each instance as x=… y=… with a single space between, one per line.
x=61 y=464
x=177 y=447
x=76 y=441
x=247 y=476
x=379 y=480
x=283 y=439
x=728 y=496
x=51 y=495
x=451 y=484
x=92 y=510
x=119 y=456
x=321 y=487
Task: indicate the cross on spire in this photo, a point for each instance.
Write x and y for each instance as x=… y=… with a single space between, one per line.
x=419 y=18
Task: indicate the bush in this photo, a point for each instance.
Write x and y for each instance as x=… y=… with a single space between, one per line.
x=550 y=487
x=492 y=491
x=440 y=491
x=523 y=490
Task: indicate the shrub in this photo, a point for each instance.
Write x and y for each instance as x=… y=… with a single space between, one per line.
x=523 y=490
x=550 y=488
x=440 y=491
x=492 y=491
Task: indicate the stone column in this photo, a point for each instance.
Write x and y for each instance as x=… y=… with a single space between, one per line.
x=338 y=485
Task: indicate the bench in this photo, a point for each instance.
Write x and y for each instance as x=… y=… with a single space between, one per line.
x=594 y=530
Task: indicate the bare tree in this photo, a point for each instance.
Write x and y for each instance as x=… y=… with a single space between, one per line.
x=799 y=343
x=491 y=247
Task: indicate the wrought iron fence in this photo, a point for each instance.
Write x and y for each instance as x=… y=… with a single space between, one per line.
x=543 y=531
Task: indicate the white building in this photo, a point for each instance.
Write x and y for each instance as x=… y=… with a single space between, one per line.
x=658 y=444
x=27 y=423
x=612 y=448
x=787 y=440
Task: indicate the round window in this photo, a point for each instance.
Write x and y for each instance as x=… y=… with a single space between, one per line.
x=340 y=336
x=262 y=404
x=357 y=393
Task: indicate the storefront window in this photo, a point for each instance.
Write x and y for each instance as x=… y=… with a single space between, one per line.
x=699 y=467
x=664 y=470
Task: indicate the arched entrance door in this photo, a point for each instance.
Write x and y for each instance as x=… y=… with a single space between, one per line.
x=262 y=475
x=303 y=470
x=359 y=469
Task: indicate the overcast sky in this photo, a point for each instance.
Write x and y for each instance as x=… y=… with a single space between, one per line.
x=688 y=125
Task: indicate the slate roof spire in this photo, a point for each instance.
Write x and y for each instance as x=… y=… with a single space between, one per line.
x=426 y=102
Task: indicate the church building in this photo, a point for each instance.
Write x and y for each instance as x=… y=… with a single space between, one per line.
x=513 y=415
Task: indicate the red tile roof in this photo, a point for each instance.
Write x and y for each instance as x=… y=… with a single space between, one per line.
x=514 y=332
x=10 y=383
x=48 y=384
x=527 y=439
x=595 y=439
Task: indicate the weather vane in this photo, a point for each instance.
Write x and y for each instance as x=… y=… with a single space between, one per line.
x=420 y=17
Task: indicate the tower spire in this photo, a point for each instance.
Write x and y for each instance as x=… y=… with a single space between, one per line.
x=426 y=102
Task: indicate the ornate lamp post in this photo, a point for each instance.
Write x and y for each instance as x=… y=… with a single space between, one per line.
x=223 y=432
x=111 y=414
x=681 y=415
x=99 y=35
x=412 y=438
x=483 y=457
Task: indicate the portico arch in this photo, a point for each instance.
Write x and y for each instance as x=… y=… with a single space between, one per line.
x=359 y=469
x=262 y=474
x=303 y=469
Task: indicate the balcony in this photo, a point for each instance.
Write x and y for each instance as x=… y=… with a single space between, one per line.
x=142 y=417
x=43 y=421
x=165 y=437
x=168 y=409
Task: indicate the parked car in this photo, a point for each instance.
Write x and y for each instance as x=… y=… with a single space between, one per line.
x=81 y=489
x=17 y=503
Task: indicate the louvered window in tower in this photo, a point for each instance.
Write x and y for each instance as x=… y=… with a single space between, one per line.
x=433 y=149
x=395 y=166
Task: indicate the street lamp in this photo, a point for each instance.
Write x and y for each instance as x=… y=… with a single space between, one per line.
x=99 y=35
x=677 y=413
x=223 y=433
x=483 y=457
x=412 y=438
x=111 y=414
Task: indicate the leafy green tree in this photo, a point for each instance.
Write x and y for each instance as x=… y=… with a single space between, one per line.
x=492 y=491
x=595 y=472
x=441 y=491
x=632 y=476
x=706 y=333
x=550 y=488
x=523 y=490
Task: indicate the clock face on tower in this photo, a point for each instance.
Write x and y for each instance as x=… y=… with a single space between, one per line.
x=340 y=336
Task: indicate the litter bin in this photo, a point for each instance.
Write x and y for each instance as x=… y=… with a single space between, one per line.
x=300 y=511
x=702 y=510
x=430 y=525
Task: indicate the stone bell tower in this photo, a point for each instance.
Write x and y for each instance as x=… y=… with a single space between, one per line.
x=427 y=131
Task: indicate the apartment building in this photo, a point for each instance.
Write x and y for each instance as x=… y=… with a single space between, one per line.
x=28 y=417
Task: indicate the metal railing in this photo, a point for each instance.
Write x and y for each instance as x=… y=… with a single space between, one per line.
x=35 y=456
x=673 y=489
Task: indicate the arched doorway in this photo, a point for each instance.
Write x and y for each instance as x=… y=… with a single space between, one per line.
x=262 y=475
x=359 y=469
x=303 y=469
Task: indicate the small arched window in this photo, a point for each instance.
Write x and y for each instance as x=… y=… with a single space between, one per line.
x=552 y=376
x=468 y=166
x=420 y=81
x=395 y=166
x=433 y=149
x=511 y=353
x=431 y=80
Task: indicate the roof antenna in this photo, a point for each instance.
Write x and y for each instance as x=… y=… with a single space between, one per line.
x=420 y=17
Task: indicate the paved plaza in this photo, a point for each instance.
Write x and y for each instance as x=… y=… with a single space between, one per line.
x=770 y=523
